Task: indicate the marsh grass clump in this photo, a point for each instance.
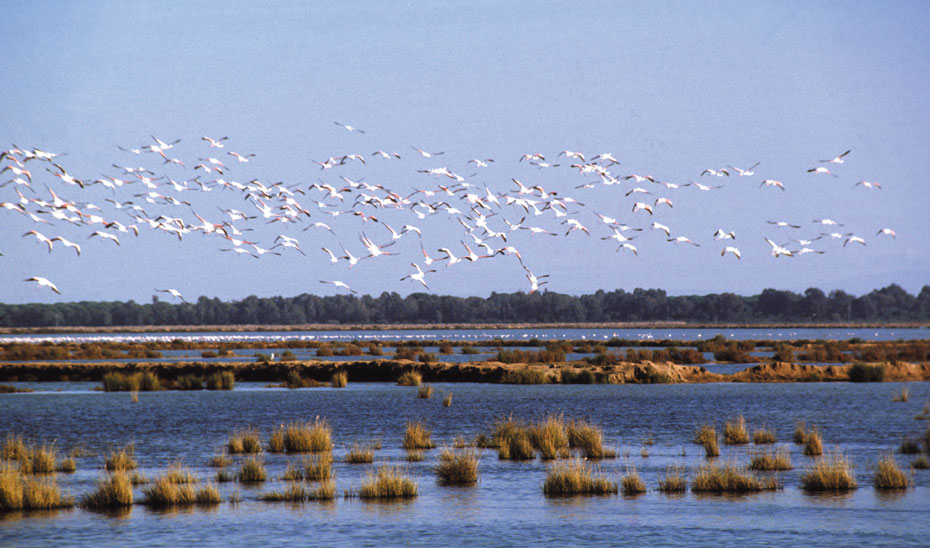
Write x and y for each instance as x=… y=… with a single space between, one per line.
x=246 y=441
x=903 y=396
x=276 y=441
x=425 y=392
x=252 y=470
x=909 y=446
x=771 y=460
x=921 y=463
x=410 y=378
x=113 y=491
x=705 y=434
x=39 y=460
x=576 y=477
x=221 y=380
x=318 y=467
x=763 y=436
x=207 y=495
x=306 y=437
x=525 y=376
x=219 y=461
x=14 y=448
x=589 y=439
x=180 y=474
x=550 y=438
x=632 y=484
x=863 y=372
x=387 y=483
x=729 y=478
x=447 y=400
x=224 y=476
x=295 y=492
x=458 y=467
x=189 y=382
x=415 y=456
x=830 y=474
x=43 y=494
x=814 y=445
x=417 y=436
x=121 y=460
x=888 y=475
x=138 y=478
x=517 y=446
x=360 y=455
x=67 y=466
x=11 y=488
x=800 y=433
x=145 y=381
x=166 y=492
x=735 y=433
x=674 y=480
x=340 y=379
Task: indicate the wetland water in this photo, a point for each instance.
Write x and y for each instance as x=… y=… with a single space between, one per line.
x=507 y=506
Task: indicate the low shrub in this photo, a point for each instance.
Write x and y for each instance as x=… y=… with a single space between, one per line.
x=862 y=372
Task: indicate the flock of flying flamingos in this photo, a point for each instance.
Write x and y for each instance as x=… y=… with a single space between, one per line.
x=490 y=220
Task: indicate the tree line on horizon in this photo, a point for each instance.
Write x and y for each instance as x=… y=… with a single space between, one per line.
x=891 y=303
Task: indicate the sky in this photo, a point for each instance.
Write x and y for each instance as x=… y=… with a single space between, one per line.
x=668 y=88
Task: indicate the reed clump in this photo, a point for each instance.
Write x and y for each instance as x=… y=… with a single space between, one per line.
x=221 y=380
x=830 y=474
x=113 y=491
x=415 y=456
x=166 y=492
x=888 y=475
x=425 y=392
x=340 y=379
x=387 y=482
x=306 y=437
x=800 y=433
x=67 y=466
x=246 y=441
x=447 y=401
x=813 y=446
x=180 y=474
x=19 y=492
x=360 y=455
x=777 y=460
x=458 y=466
x=903 y=396
x=576 y=477
x=252 y=470
x=729 y=478
x=735 y=433
x=705 y=433
x=674 y=480
x=589 y=439
x=121 y=459
x=207 y=495
x=550 y=438
x=14 y=448
x=318 y=467
x=410 y=378
x=144 y=381
x=632 y=484
x=921 y=463
x=417 y=436
x=300 y=492
x=763 y=436
x=219 y=461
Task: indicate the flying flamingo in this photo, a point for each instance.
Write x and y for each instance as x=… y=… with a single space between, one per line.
x=43 y=282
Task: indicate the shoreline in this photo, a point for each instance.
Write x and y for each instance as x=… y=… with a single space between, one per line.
x=389 y=370
x=450 y=326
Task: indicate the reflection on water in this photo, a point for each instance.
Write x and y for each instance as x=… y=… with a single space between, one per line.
x=506 y=506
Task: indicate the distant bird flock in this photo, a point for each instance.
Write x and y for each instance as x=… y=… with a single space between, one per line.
x=183 y=199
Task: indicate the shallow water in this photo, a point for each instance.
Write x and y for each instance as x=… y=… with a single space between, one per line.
x=507 y=506
x=689 y=334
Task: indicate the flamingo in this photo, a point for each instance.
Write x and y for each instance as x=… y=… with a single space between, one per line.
x=533 y=156
x=721 y=234
x=534 y=280
x=41 y=237
x=806 y=250
x=730 y=249
x=868 y=184
x=827 y=222
x=887 y=232
x=772 y=182
x=665 y=201
x=783 y=224
x=746 y=172
x=173 y=292
x=214 y=143
x=631 y=247
x=243 y=158
x=452 y=258
x=606 y=157
x=838 y=160
x=683 y=240
x=349 y=128
x=43 y=282
x=642 y=206
x=67 y=243
x=663 y=228
x=387 y=155
x=105 y=235
x=420 y=274
x=821 y=169
x=855 y=240
x=716 y=172
x=332 y=256
x=777 y=249
x=425 y=154
x=337 y=283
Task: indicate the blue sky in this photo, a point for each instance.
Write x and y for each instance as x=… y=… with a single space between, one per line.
x=668 y=88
